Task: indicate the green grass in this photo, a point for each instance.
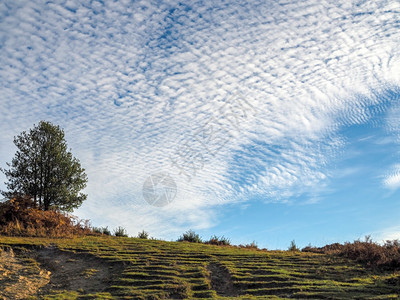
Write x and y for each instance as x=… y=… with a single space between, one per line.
x=155 y=269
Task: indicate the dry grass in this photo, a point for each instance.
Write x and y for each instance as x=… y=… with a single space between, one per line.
x=386 y=256
x=219 y=241
x=19 y=217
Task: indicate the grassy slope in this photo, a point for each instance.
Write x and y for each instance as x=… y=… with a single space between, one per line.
x=172 y=270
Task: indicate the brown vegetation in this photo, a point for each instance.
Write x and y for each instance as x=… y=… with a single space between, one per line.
x=20 y=217
x=386 y=256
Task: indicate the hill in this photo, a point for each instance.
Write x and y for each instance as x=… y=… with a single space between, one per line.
x=106 y=267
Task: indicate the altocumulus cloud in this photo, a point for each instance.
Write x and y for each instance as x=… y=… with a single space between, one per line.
x=134 y=82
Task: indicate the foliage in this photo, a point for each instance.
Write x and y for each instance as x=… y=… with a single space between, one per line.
x=45 y=170
x=253 y=245
x=19 y=217
x=102 y=230
x=220 y=241
x=368 y=252
x=120 y=231
x=326 y=249
x=97 y=230
x=293 y=246
x=190 y=236
x=143 y=235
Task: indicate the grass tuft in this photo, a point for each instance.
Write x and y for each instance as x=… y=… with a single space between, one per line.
x=143 y=235
x=191 y=237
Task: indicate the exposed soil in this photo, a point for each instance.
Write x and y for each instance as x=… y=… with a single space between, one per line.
x=221 y=280
x=75 y=272
x=39 y=271
x=19 y=278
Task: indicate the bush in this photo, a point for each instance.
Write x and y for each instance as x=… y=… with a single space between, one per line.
x=386 y=256
x=97 y=230
x=120 y=231
x=190 y=236
x=252 y=245
x=106 y=231
x=215 y=240
x=326 y=249
x=20 y=217
x=102 y=230
x=293 y=246
x=143 y=235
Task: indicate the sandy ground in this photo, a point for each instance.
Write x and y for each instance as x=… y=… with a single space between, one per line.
x=37 y=272
x=19 y=277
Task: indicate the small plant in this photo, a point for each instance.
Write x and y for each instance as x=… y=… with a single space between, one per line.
x=310 y=248
x=102 y=230
x=143 y=235
x=215 y=240
x=97 y=230
x=120 y=231
x=252 y=245
x=106 y=231
x=190 y=236
x=368 y=239
x=293 y=246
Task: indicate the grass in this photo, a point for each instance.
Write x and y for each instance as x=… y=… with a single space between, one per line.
x=177 y=270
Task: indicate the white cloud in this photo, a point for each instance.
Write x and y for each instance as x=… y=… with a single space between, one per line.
x=387 y=234
x=130 y=82
x=392 y=180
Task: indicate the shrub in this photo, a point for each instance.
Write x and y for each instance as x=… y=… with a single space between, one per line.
x=20 y=217
x=372 y=254
x=293 y=246
x=97 y=230
x=326 y=249
x=215 y=240
x=252 y=245
x=386 y=256
x=120 y=231
x=102 y=230
x=143 y=235
x=106 y=231
x=190 y=236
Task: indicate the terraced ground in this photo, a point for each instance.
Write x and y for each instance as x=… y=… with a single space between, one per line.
x=131 y=268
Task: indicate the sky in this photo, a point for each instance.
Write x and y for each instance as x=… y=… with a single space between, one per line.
x=265 y=121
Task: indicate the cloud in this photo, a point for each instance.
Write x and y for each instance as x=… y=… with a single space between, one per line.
x=387 y=234
x=392 y=179
x=131 y=83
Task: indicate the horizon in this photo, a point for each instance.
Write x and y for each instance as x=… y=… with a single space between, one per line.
x=264 y=121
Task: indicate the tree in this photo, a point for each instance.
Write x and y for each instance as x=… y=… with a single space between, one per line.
x=44 y=170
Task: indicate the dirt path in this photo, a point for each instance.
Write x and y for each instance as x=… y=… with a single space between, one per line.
x=36 y=272
x=20 y=277
x=73 y=272
x=221 y=280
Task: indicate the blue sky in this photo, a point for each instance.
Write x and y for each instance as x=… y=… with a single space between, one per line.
x=275 y=120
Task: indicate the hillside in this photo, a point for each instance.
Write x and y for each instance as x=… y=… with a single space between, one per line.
x=131 y=268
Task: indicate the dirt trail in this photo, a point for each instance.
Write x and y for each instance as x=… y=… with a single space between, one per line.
x=19 y=277
x=221 y=280
x=38 y=271
x=71 y=271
